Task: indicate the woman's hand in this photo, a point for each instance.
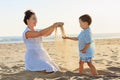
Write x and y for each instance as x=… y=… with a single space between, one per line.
x=58 y=24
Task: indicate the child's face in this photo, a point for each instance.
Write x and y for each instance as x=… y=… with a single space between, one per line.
x=83 y=25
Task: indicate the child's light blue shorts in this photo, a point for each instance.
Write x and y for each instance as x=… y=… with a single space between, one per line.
x=86 y=59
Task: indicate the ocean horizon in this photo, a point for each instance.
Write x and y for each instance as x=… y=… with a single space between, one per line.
x=18 y=39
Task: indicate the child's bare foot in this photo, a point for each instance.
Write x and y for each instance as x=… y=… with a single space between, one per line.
x=93 y=69
x=80 y=71
x=96 y=76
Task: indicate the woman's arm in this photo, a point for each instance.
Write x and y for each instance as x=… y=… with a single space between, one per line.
x=48 y=31
x=51 y=30
x=44 y=32
x=71 y=38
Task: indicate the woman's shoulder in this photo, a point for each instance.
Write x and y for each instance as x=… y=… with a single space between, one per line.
x=26 y=29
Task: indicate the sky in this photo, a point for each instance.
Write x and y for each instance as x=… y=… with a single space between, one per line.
x=105 y=15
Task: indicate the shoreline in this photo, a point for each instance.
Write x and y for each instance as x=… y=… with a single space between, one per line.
x=44 y=41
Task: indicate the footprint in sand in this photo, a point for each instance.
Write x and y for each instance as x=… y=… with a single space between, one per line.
x=114 y=58
x=115 y=69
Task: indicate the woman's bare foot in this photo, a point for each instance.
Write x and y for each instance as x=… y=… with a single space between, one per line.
x=49 y=72
x=44 y=72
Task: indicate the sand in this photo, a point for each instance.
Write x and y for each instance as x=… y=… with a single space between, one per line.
x=106 y=60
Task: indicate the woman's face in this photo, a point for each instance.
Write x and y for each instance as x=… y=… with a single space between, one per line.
x=32 y=21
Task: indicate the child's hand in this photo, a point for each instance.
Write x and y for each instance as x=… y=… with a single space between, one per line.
x=64 y=37
x=83 y=51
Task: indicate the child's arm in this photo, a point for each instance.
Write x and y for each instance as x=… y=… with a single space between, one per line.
x=85 y=48
x=71 y=38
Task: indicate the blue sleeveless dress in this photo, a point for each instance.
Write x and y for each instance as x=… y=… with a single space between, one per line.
x=36 y=58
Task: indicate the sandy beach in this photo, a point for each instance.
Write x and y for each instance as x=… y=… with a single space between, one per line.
x=106 y=60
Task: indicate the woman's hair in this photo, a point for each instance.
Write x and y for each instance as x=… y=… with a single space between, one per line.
x=86 y=18
x=28 y=14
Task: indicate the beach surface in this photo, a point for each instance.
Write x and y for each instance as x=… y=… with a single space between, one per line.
x=106 y=60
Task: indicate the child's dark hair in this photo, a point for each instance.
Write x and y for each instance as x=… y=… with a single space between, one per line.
x=86 y=18
x=28 y=14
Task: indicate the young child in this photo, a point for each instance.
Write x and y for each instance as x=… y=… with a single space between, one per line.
x=85 y=42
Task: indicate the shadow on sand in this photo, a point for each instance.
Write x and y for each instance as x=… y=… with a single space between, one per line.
x=67 y=75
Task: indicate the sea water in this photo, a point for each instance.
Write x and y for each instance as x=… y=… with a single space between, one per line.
x=18 y=39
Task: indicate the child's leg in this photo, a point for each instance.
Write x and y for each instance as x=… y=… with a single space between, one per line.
x=93 y=69
x=81 y=66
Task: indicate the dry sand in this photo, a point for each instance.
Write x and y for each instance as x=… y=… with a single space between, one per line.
x=106 y=60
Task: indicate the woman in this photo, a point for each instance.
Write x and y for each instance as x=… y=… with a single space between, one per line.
x=36 y=58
